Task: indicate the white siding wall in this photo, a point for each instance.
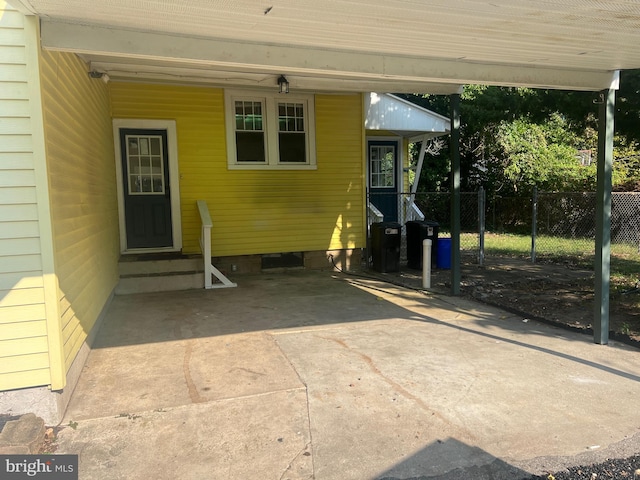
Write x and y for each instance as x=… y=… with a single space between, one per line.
x=24 y=356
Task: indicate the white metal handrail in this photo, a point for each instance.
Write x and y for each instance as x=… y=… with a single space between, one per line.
x=205 y=247
x=375 y=215
x=413 y=212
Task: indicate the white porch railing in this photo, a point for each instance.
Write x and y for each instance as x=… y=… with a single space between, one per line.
x=205 y=247
x=375 y=215
x=412 y=212
x=407 y=210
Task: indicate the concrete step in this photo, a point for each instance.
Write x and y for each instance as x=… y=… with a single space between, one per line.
x=156 y=265
x=155 y=273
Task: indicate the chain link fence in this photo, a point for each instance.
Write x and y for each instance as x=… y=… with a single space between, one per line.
x=437 y=207
x=546 y=218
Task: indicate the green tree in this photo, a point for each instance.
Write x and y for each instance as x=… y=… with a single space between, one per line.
x=513 y=138
x=528 y=154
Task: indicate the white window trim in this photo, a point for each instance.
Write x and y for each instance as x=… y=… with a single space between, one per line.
x=270 y=127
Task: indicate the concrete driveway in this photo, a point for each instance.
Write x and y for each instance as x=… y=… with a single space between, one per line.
x=305 y=375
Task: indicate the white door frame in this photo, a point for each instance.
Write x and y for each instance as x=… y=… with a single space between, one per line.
x=174 y=180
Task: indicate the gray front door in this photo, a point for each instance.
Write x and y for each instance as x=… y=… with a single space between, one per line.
x=147 y=195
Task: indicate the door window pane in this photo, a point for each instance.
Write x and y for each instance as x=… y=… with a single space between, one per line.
x=145 y=162
x=155 y=146
x=382 y=166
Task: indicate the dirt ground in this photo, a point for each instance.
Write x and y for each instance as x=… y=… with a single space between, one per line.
x=554 y=293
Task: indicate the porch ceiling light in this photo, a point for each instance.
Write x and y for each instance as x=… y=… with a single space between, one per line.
x=283 y=84
x=96 y=74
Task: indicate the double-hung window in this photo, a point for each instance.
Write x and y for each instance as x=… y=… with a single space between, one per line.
x=270 y=131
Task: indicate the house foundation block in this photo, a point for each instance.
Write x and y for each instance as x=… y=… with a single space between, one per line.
x=341 y=259
x=345 y=259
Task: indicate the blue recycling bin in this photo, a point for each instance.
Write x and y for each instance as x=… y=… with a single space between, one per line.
x=444 y=253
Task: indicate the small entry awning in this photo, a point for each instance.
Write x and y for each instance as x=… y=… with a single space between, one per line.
x=385 y=111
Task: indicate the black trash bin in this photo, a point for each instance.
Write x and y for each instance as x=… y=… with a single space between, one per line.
x=417 y=231
x=385 y=246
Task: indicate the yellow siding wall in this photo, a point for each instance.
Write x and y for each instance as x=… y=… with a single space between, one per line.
x=81 y=168
x=259 y=211
x=24 y=357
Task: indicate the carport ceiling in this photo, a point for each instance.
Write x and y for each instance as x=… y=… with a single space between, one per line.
x=380 y=45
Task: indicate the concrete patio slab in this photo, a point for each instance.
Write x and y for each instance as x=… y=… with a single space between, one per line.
x=326 y=376
x=260 y=436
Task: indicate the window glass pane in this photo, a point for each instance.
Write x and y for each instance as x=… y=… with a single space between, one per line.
x=144 y=146
x=155 y=146
x=292 y=147
x=250 y=147
x=134 y=183
x=133 y=146
x=134 y=166
x=146 y=183
x=291 y=117
x=156 y=165
x=248 y=116
x=158 y=184
x=145 y=164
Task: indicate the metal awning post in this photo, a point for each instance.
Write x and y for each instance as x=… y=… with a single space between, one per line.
x=603 y=217
x=455 y=194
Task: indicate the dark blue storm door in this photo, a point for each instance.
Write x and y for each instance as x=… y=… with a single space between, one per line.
x=147 y=197
x=383 y=177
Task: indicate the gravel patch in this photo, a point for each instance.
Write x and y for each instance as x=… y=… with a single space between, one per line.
x=623 y=468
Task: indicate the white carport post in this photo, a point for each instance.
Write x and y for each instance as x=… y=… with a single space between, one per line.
x=603 y=216
x=455 y=192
